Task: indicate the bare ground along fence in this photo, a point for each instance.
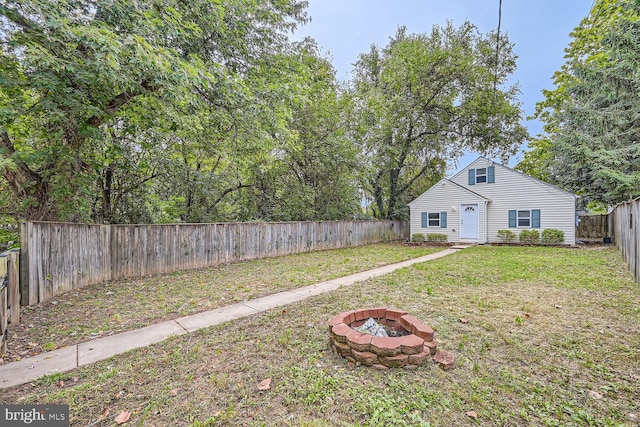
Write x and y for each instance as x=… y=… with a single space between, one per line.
x=626 y=234
x=59 y=257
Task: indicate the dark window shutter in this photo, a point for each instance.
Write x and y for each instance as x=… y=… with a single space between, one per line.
x=535 y=218
x=472 y=177
x=491 y=174
x=513 y=219
x=443 y=220
x=425 y=219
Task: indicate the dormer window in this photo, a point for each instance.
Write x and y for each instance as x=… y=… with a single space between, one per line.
x=482 y=175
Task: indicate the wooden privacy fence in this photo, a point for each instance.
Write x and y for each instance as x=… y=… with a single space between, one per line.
x=59 y=257
x=593 y=227
x=9 y=294
x=626 y=233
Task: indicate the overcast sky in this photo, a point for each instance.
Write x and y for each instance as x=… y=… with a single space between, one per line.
x=539 y=28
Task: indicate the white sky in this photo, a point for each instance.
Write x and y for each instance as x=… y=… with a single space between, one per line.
x=539 y=28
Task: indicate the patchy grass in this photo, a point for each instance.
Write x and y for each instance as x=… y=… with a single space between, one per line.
x=109 y=308
x=571 y=360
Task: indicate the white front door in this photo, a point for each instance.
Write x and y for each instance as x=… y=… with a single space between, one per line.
x=469 y=221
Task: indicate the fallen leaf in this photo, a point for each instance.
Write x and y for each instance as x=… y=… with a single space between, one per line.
x=265 y=384
x=472 y=414
x=60 y=383
x=175 y=391
x=463 y=320
x=104 y=415
x=123 y=417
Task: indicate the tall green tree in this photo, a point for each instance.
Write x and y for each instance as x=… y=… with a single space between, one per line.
x=423 y=100
x=71 y=70
x=590 y=119
x=311 y=173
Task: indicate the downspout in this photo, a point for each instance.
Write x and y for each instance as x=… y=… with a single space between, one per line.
x=486 y=222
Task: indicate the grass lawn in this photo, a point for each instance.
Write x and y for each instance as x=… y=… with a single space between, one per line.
x=553 y=338
x=109 y=308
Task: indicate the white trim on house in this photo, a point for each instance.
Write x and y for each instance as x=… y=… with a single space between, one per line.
x=506 y=190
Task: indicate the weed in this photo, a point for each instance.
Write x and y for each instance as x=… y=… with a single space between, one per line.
x=49 y=346
x=52 y=379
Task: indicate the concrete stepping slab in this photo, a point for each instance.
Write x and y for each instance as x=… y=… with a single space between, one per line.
x=103 y=348
x=26 y=370
x=317 y=289
x=214 y=317
x=350 y=280
x=272 y=301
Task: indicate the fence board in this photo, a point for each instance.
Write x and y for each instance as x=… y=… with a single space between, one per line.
x=4 y=311
x=593 y=227
x=13 y=297
x=626 y=225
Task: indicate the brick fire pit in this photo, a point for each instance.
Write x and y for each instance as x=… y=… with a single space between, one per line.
x=382 y=352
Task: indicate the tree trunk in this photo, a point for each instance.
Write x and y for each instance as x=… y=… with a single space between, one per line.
x=27 y=185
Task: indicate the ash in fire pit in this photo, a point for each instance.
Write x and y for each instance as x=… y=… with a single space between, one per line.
x=374 y=328
x=412 y=344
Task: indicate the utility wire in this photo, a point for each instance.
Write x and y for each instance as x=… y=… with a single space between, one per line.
x=495 y=80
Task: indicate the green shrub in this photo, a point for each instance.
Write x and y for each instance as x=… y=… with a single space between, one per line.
x=436 y=237
x=529 y=236
x=506 y=235
x=552 y=236
x=417 y=237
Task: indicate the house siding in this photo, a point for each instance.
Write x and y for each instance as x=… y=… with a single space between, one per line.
x=515 y=191
x=446 y=197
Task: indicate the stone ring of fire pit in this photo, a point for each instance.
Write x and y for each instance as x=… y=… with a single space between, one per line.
x=406 y=351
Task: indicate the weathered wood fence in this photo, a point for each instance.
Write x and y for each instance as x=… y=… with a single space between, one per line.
x=593 y=227
x=9 y=294
x=626 y=234
x=59 y=257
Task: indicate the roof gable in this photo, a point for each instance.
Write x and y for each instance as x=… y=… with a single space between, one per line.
x=484 y=162
x=457 y=186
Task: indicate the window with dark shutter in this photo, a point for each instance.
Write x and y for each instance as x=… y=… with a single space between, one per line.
x=524 y=218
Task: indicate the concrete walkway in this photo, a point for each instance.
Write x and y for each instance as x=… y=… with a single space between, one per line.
x=68 y=358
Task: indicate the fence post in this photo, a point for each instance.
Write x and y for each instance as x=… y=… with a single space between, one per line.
x=3 y=304
x=14 y=285
x=25 y=279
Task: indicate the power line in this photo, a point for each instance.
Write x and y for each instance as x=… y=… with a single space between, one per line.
x=495 y=80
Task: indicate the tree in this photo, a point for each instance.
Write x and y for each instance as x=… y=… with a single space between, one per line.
x=590 y=117
x=311 y=174
x=423 y=100
x=74 y=69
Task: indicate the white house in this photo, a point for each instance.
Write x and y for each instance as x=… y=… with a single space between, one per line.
x=486 y=197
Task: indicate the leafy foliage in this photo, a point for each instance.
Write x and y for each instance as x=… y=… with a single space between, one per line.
x=422 y=100
x=436 y=237
x=529 y=236
x=203 y=111
x=552 y=236
x=417 y=237
x=591 y=117
x=506 y=236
